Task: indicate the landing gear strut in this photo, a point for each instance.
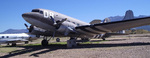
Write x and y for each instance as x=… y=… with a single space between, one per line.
x=71 y=42
x=45 y=41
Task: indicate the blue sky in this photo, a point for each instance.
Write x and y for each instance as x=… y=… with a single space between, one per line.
x=84 y=10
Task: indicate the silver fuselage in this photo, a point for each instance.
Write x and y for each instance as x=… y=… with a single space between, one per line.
x=44 y=19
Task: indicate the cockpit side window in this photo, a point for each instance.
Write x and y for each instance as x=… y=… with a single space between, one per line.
x=36 y=10
x=41 y=12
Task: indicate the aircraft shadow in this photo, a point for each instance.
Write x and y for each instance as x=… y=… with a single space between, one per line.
x=53 y=47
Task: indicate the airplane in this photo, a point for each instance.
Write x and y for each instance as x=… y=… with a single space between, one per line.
x=50 y=23
x=17 y=38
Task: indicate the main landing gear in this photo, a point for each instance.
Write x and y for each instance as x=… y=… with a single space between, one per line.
x=70 y=43
x=13 y=44
x=45 y=41
x=57 y=40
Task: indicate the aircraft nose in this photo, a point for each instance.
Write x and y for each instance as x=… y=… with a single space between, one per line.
x=29 y=17
x=26 y=15
x=32 y=15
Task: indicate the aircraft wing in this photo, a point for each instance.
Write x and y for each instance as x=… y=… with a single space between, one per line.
x=113 y=26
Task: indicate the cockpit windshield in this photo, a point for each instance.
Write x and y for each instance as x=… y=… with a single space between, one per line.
x=37 y=10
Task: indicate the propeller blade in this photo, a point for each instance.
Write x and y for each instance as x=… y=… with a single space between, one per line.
x=26 y=26
x=53 y=20
x=31 y=28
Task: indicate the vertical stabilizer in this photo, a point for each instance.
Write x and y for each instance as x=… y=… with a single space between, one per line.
x=129 y=15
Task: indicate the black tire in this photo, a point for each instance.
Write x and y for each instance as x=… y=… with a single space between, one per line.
x=26 y=42
x=85 y=39
x=57 y=40
x=13 y=44
x=44 y=43
x=103 y=38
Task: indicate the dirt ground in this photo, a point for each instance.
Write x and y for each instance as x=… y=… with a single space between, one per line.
x=133 y=46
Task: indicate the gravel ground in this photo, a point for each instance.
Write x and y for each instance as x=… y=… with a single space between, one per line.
x=116 y=47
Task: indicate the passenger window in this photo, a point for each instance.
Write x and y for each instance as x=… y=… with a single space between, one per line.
x=7 y=37
x=2 y=36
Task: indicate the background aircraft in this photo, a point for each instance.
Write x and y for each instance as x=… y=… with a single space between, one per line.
x=49 y=23
x=17 y=38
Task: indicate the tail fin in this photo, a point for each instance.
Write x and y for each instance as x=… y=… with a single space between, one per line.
x=129 y=15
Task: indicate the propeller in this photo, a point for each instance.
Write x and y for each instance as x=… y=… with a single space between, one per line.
x=29 y=28
x=57 y=23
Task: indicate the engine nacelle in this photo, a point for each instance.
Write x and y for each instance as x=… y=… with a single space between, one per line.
x=38 y=31
x=64 y=30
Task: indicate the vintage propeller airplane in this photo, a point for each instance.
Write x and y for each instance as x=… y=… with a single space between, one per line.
x=49 y=23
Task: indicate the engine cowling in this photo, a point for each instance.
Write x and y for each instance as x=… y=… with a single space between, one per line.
x=64 y=30
x=38 y=31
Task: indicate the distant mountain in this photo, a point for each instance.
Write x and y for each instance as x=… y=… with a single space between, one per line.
x=14 y=31
x=119 y=18
x=116 y=18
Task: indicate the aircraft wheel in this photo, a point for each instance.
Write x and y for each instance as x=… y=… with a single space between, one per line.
x=57 y=40
x=85 y=39
x=26 y=42
x=103 y=38
x=7 y=43
x=13 y=44
x=44 y=42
